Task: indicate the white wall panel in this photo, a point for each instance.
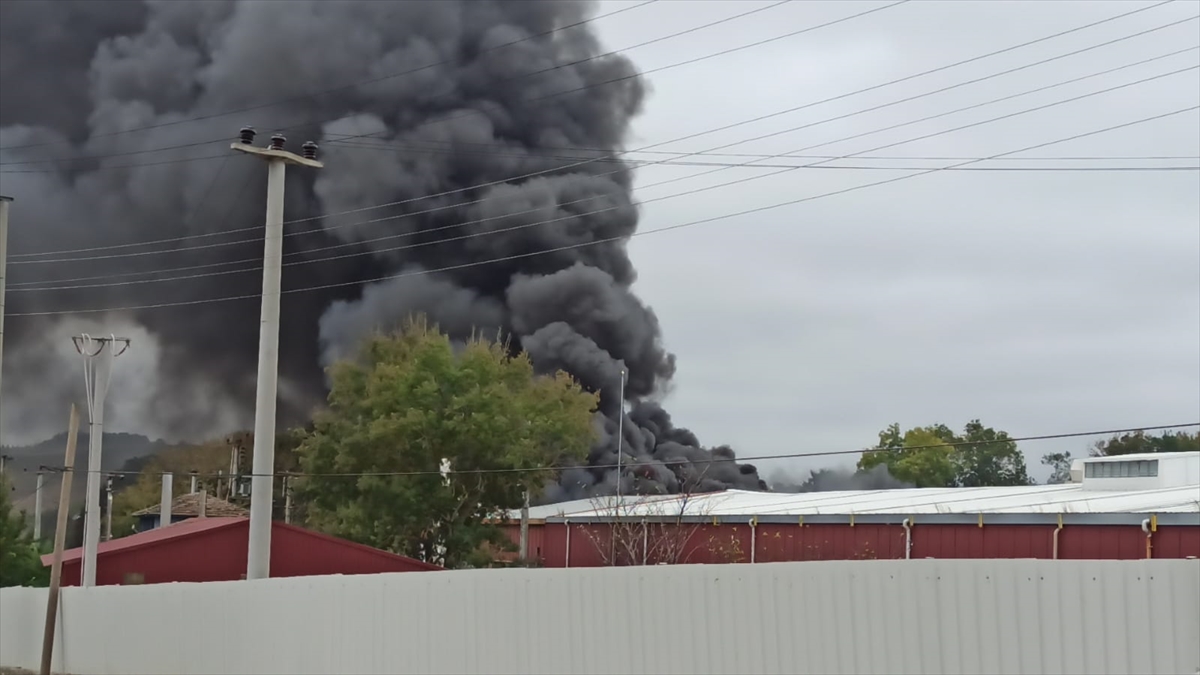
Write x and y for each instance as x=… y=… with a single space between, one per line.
x=918 y=616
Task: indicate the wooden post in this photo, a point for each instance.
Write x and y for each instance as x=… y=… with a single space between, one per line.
x=60 y=538
x=287 y=500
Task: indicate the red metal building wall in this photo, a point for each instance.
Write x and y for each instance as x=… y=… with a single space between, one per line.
x=729 y=543
x=219 y=554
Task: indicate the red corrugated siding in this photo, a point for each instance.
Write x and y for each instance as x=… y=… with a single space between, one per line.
x=1173 y=541
x=536 y=540
x=727 y=543
x=989 y=541
x=779 y=543
x=220 y=555
x=1102 y=542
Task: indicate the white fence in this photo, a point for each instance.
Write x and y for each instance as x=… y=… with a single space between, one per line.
x=919 y=616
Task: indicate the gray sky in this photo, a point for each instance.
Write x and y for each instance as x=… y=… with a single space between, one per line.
x=1039 y=302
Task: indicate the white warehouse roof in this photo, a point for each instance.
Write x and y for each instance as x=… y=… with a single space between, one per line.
x=1180 y=494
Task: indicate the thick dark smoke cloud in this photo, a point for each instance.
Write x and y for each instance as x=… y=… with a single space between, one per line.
x=830 y=480
x=85 y=70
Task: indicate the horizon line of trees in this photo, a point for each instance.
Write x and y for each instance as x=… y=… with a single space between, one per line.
x=410 y=401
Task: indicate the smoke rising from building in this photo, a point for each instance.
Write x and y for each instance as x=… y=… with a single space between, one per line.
x=830 y=480
x=88 y=72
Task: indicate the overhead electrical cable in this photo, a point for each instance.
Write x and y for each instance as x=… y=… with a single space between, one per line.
x=353 y=85
x=535 y=209
x=642 y=462
x=615 y=239
x=860 y=91
x=548 y=69
x=18 y=259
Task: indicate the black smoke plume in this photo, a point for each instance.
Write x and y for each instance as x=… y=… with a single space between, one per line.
x=480 y=106
x=830 y=480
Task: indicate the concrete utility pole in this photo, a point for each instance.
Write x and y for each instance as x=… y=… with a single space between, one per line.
x=108 y=497
x=98 y=355
x=4 y=202
x=164 y=517
x=37 y=508
x=620 y=435
x=258 y=558
x=523 y=549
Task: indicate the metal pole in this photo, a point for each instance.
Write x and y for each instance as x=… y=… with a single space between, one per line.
x=4 y=202
x=37 y=509
x=193 y=490
x=164 y=518
x=258 y=556
x=91 y=523
x=108 y=497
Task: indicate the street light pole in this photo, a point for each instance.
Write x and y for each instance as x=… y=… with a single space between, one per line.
x=98 y=355
x=258 y=558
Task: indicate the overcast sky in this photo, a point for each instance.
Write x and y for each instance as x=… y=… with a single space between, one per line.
x=1038 y=302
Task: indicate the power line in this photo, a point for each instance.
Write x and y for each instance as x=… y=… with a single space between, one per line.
x=964 y=109
x=584 y=161
x=732 y=165
x=615 y=239
x=871 y=88
x=557 y=67
x=758 y=458
x=975 y=81
x=570 y=216
x=593 y=85
x=373 y=80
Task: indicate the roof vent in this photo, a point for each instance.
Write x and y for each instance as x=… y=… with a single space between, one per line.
x=1076 y=471
x=1143 y=471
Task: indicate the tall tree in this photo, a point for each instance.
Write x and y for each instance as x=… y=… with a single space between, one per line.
x=935 y=456
x=1060 y=467
x=20 y=560
x=143 y=490
x=412 y=402
x=1139 y=442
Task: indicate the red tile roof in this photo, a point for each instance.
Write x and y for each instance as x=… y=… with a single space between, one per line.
x=189 y=505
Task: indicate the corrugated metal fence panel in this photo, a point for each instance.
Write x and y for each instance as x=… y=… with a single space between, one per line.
x=918 y=616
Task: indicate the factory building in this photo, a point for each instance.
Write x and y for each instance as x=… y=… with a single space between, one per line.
x=1123 y=507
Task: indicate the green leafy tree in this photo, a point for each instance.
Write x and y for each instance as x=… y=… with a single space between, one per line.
x=143 y=490
x=1139 y=442
x=935 y=456
x=20 y=558
x=1060 y=466
x=920 y=456
x=411 y=402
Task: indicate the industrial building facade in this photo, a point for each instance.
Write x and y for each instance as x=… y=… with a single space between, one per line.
x=1131 y=507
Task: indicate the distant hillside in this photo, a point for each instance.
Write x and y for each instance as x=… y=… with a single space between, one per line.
x=120 y=450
